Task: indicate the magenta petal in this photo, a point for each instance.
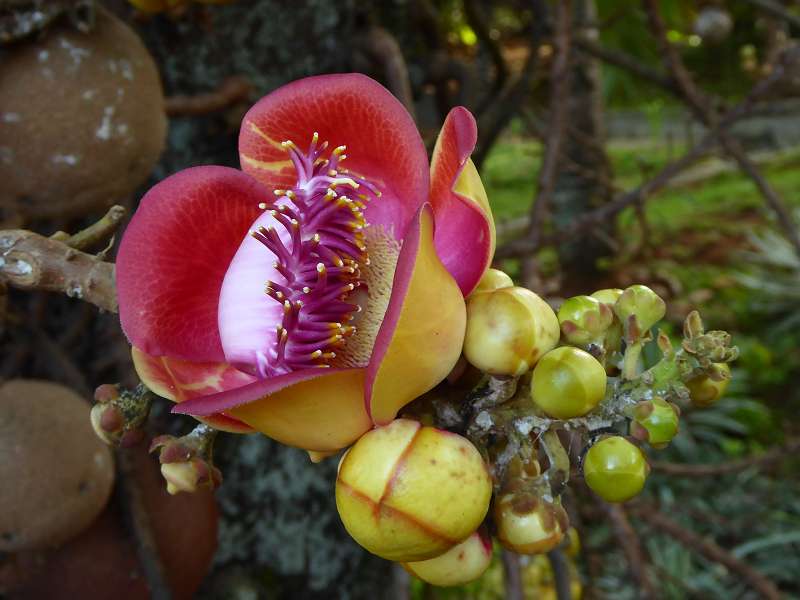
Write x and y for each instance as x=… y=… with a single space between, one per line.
x=463 y=231
x=214 y=403
x=173 y=258
x=247 y=316
x=383 y=144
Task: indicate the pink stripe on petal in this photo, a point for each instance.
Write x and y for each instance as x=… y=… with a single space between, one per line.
x=215 y=403
x=174 y=255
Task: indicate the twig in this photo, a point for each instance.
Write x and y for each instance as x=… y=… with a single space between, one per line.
x=700 y=105
x=776 y=10
x=623 y=61
x=710 y=550
x=632 y=548
x=474 y=13
x=98 y=232
x=132 y=498
x=561 y=575
x=783 y=452
x=29 y=261
x=512 y=574
x=233 y=90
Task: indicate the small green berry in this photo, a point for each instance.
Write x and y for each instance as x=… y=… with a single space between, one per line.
x=568 y=382
x=608 y=295
x=615 y=469
x=655 y=422
x=584 y=320
x=639 y=308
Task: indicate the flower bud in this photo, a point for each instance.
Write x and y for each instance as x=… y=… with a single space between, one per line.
x=655 y=422
x=568 y=382
x=639 y=308
x=584 y=320
x=529 y=525
x=409 y=493
x=508 y=330
x=707 y=389
x=463 y=563
x=186 y=462
x=615 y=469
x=493 y=279
x=118 y=416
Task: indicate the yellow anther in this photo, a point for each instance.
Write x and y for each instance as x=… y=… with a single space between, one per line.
x=306 y=289
x=273 y=213
x=315 y=138
x=279 y=192
x=262 y=205
x=320 y=268
x=290 y=194
x=295 y=223
x=316 y=354
x=338 y=150
x=289 y=144
x=315 y=238
x=332 y=173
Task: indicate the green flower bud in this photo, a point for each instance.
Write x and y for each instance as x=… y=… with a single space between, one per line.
x=639 y=308
x=608 y=296
x=508 y=330
x=493 y=279
x=568 y=382
x=615 y=469
x=584 y=320
x=706 y=390
x=655 y=422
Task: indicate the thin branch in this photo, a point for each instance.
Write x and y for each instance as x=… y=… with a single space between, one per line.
x=559 y=100
x=709 y=550
x=561 y=574
x=132 y=498
x=784 y=452
x=776 y=10
x=700 y=105
x=512 y=575
x=623 y=61
x=628 y=539
x=476 y=19
x=96 y=233
x=232 y=91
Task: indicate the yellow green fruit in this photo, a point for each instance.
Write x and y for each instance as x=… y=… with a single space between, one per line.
x=705 y=391
x=508 y=330
x=493 y=279
x=409 y=493
x=607 y=296
x=463 y=563
x=568 y=382
x=584 y=320
x=529 y=525
x=615 y=469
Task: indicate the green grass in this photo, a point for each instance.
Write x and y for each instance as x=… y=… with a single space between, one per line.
x=510 y=171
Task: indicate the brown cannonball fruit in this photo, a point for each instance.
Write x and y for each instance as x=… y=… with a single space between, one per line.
x=56 y=474
x=82 y=119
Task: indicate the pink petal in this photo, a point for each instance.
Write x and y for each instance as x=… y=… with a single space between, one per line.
x=382 y=141
x=247 y=316
x=173 y=258
x=464 y=231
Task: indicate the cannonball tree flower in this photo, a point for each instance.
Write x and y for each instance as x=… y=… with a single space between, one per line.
x=315 y=292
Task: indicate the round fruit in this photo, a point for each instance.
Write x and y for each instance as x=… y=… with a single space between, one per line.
x=615 y=469
x=529 y=525
x=463 y=563
x=584 y=320
x=643 y=305
x=508 y=330
x=705 y=391
x=655 y=422
x=493 y=279
x=568 y=382
x=409 y=493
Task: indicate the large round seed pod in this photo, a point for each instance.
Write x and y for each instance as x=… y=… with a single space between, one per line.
x=82 y=119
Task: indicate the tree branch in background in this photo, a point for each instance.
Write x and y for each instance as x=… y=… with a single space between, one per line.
x=232 y=91
x=521 y=247
x=776 y=10
x=495 y=119
x=624 y=61
x=708 y=549
x=512 y=575
x=784 y=452
x=561 y=575
x=628 y=539
x=700 y=105
x=477 y=20
x=559 y=102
